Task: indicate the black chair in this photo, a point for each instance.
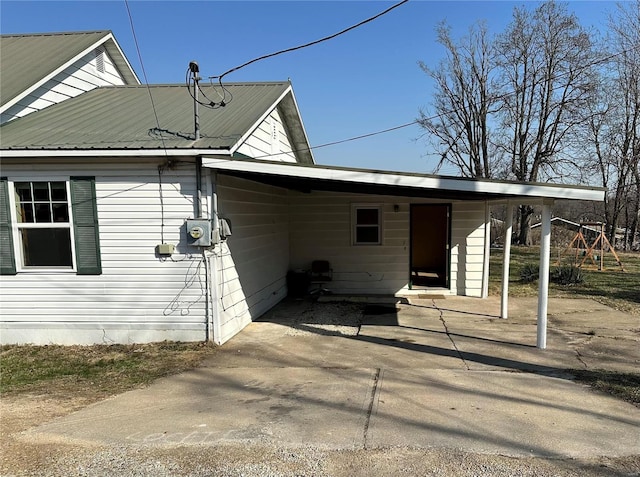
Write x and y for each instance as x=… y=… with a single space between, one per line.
x=321 y=273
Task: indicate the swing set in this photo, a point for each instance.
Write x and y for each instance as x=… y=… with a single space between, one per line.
x=594 y=252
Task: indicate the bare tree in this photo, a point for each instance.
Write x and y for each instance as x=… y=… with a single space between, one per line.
x=625 y=31
x=543 y=60
x=614 y=128
x=463 y=102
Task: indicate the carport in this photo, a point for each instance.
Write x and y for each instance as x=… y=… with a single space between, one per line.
x=307 y=179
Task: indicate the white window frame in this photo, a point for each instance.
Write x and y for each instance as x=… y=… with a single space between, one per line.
x=355 y=226
x=18 y=226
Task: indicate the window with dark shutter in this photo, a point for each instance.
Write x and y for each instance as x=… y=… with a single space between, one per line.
x=7 y=258
x=85 y=225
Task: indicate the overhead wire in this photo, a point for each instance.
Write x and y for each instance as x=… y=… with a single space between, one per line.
x=312 y=43
x=190 y=78
x=224 y=101
x=443 y=113
x=144 y=72
x=155 y=114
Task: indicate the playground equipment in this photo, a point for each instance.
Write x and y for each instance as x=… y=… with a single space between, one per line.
x=587 y=252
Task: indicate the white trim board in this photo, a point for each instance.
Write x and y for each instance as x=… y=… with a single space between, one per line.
x=407 y=180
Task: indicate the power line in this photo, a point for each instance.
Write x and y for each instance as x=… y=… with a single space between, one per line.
x=438 y=115
x=144 y=73
x=155 y=114
x=299 y=47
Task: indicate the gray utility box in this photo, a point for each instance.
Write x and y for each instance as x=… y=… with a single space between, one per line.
x=199 y=232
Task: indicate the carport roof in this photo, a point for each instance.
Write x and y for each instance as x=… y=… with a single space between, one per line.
x=307 y=178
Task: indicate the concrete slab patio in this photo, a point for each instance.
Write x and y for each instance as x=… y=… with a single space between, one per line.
x=430 y=373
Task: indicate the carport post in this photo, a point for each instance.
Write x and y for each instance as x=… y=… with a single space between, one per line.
x=543 y=280
x=504 y=297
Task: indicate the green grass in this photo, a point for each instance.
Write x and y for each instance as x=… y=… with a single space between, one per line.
x=625 y=386
x=99 y=369
x=612 y=286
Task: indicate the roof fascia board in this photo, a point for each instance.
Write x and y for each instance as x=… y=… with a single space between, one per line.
x=255 y=126
x=131 y=70
x=17 y=153
x=411 y=181
x=304 y=131
x=61 y=68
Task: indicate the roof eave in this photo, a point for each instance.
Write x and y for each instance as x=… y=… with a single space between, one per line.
x=408 y=182
x=54 y=153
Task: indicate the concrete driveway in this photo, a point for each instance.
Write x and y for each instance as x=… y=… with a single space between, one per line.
x=431 y=373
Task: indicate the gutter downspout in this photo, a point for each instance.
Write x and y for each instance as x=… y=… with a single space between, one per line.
x=198 y=204
x=214 y=328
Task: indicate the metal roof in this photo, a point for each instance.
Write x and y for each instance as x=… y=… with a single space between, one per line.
x=122 y=117
x=307 y=178
x=28 y=59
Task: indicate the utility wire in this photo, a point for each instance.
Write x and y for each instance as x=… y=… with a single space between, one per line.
x=155 y=114
x=299 y=47
x=144 y=72
x=438 y=115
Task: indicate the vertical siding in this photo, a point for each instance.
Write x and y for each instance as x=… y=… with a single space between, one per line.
x=252 y=264
x=139 y=296
x=269 y=141
x=320 y=225
x=76 y=79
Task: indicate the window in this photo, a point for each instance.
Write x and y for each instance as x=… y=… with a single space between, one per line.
x=49 y=225
x=44 y=229
x=367 y=228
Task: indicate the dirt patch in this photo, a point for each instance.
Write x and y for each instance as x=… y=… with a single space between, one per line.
x=19 y=413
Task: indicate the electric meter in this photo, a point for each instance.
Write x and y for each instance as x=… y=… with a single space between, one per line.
x=199 y=232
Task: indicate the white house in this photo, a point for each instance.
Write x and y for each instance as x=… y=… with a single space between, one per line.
x=111 y=222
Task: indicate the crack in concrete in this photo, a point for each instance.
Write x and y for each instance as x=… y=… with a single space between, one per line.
x=579 y=356
x=372 y=399
x=446 y=330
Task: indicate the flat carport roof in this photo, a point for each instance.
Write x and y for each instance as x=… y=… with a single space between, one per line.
x=308 y=178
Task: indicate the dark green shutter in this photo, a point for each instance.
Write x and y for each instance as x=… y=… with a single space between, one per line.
x=85 y=225
x=7 y=258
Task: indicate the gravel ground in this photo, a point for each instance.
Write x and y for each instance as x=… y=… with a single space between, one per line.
x=24 y=455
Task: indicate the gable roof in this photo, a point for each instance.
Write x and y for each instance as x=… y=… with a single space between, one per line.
x=29 y=60
x=122 y=118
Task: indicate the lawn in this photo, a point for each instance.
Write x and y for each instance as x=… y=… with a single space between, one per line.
x=96 y=371
x=612 y=286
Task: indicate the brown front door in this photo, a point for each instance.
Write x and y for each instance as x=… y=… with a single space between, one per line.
x=430 y=231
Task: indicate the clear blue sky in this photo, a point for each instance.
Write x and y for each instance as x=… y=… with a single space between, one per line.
x=364 y=81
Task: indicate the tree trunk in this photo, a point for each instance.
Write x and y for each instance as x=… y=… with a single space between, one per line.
x=526 y=213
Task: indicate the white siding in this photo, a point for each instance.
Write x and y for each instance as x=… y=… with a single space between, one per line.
x=321 y=230
x=138 y=297
x=82 y=76
x=269 y=141
x=467 y=248
x=252 y=264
